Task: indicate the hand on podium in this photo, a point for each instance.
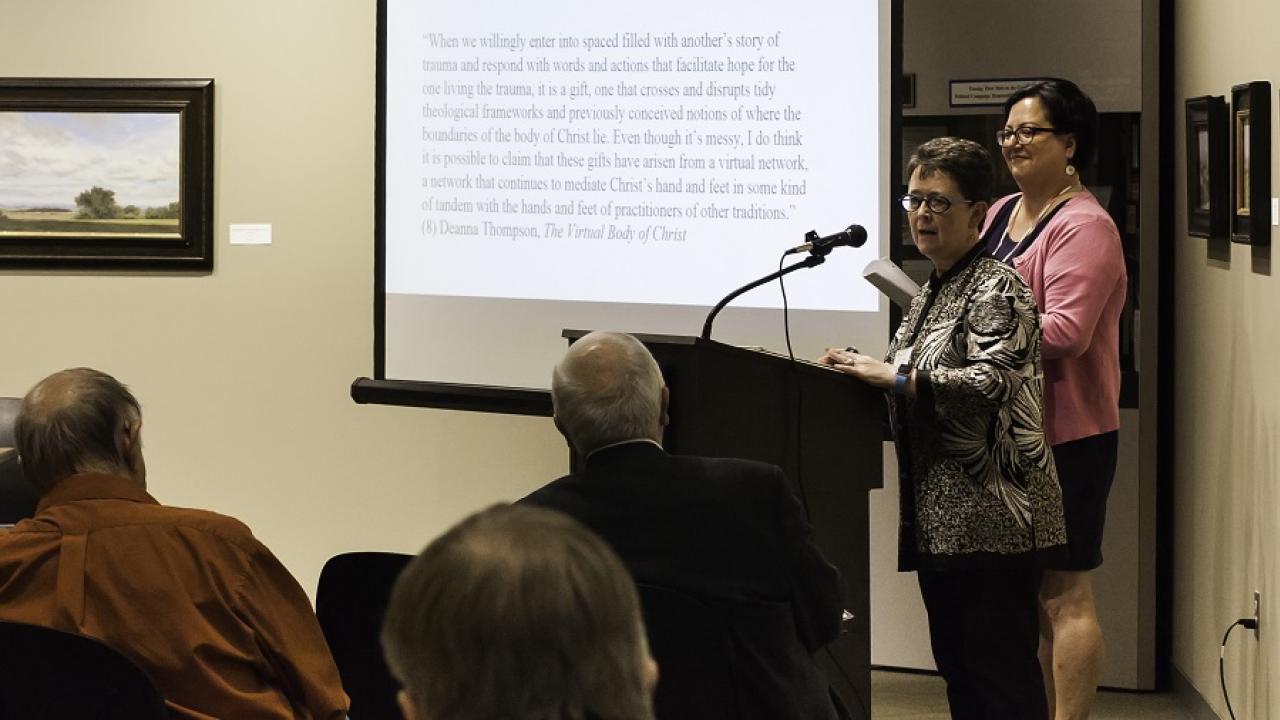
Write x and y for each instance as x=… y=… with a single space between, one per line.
x=863 y=367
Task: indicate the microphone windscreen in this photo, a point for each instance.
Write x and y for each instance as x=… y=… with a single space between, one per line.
x=857 y=235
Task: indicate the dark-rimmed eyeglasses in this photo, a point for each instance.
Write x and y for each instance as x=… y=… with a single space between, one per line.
x=938 y=204
x=1024 y=134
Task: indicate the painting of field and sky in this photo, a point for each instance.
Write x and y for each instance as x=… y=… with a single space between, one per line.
x=89 y=174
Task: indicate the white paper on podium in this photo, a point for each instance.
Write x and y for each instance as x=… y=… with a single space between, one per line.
x=890 y=280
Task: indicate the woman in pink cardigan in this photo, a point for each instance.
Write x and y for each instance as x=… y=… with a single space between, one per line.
x=1065 y=245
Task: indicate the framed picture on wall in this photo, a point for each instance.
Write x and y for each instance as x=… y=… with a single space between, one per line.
x=1207 y=167
x=106 y=174
x=1251 y=163
x=908 y=90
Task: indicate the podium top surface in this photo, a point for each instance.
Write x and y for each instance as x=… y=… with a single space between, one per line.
x=694 y=341
x=646 y=338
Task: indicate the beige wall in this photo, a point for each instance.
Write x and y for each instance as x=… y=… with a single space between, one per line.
x=1227 y=395
x=946 y=40
x=244 y=374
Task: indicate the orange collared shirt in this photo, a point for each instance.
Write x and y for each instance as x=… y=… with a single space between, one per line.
x=215 y=619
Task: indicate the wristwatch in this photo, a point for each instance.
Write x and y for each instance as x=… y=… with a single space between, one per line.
x=900 y=381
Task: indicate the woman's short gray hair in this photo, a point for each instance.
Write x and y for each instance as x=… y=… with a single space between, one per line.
x=964 y=161
x=607 y=389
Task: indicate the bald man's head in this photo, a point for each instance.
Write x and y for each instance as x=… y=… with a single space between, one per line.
x=79 y=420
x=607 y=389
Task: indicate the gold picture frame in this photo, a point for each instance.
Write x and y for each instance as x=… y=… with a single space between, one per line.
x=1242 y=162
x=1251 y=161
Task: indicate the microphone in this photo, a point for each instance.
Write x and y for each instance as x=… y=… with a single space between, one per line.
x=818 y=249
x=852 y=236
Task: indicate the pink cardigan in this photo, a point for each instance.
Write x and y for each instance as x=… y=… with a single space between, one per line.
x=1076 y=271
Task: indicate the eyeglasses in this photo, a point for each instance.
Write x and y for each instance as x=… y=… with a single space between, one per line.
x=1024 y=134
x=937 y=204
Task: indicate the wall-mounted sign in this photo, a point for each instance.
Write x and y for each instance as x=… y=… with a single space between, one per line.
x=977 y=93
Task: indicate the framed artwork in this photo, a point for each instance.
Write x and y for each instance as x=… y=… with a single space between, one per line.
x=1251 y=163
x=106 y=174
x=908 y=90
x=1207 y=167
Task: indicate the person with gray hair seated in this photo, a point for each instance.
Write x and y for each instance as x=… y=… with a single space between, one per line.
x=190 y=596
x=518 y=613
x=728 y=533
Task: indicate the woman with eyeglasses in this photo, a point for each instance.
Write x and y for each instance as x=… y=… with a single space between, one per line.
x=980 y=509
x=1065 y=245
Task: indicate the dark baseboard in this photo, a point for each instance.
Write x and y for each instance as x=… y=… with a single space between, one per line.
x=1190 y=698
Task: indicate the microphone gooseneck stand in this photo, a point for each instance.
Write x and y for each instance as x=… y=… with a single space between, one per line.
x=818 y=256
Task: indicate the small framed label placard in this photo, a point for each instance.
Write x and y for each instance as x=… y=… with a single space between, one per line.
x=985 y=93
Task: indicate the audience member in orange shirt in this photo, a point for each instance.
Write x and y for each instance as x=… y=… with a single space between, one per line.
x=191 y=596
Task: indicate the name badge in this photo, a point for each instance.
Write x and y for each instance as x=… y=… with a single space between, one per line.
x=902 y=357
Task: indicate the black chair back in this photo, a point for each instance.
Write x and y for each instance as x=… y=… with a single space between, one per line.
x=350 y=601
x=17 y=497
x=9 y=407
x=48 y=674
x=696 y=655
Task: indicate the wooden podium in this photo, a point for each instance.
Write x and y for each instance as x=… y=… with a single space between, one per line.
x=823 y=428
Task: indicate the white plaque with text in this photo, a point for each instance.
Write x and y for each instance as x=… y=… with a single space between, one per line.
x=975 y=93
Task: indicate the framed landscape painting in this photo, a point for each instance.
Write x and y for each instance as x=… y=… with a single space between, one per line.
x=106 y=174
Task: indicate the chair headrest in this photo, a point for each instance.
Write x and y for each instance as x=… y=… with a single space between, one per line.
x=8 y=414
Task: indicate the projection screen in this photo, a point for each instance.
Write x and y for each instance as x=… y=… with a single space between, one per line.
x=622 y=166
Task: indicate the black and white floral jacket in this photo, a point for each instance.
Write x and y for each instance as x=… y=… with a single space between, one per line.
x=978 y=486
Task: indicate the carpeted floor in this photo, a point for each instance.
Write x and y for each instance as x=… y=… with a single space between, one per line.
x=903 y=696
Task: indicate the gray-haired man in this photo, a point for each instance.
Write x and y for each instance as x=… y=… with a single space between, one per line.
x=727 y=532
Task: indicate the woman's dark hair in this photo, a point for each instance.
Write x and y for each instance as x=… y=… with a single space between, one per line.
x=1069 y=110
x=964 y=161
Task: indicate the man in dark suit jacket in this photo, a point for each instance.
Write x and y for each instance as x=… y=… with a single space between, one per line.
x=727 y=532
